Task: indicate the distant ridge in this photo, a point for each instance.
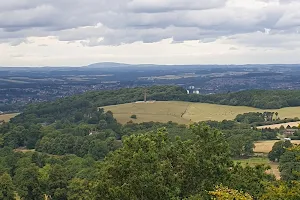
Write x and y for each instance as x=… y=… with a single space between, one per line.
x=113 y=64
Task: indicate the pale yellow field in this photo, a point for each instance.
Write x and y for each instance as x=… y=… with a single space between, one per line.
x=193 y=112
x=146 y=112
x=291 y=124
x=7 y=117
x=266 y=146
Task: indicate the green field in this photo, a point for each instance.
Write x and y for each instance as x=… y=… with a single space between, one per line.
x=261 y=161
x=186 y=112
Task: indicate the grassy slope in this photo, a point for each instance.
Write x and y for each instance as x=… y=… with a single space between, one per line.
x=173 y=110
x=7 y=117
x=157 y=112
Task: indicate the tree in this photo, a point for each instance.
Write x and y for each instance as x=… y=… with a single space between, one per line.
x=79 y=189
x=282 y=190
x=278 y=150
x=276 y=114
x=240 y=145
x=289 y=164
x=150 y=166
x=249 y=179
x=7 y=189
x=58 y=182
x=27 y=183
x=133 y=117
x=224 y=193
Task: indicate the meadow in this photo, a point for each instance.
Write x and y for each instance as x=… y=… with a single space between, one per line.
x=261 y=161
x=7 y=117
x=266 y=146
x=285 y=125
x=186 y=112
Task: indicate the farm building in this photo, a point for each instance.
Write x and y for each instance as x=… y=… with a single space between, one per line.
x=192 y=90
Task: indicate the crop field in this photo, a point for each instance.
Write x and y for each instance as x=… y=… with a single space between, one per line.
x=291 y=124
x=261 y=161
x=186 y=112
x=7 y=117
x=146 y=112
x=266 y=146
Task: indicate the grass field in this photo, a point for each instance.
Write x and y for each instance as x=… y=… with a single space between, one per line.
x=291 y=124
x=266 y=146
x=7 y=117
x=185 y=112
x=157 y=112
x=259 y=161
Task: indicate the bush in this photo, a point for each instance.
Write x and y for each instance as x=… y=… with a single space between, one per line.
x=133 y=117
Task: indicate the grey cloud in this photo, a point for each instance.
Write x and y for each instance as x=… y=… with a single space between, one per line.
x=128 y=21
x=150 y=6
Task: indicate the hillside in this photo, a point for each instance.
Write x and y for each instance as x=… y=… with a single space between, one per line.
x=73 y=149
x=186 y=112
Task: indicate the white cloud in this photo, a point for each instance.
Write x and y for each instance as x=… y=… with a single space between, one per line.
x=127 y=28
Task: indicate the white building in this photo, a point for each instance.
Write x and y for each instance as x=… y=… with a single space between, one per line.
x=192 y=90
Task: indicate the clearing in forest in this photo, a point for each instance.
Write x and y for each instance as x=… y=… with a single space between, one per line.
x=187 y=112
x=7 y=117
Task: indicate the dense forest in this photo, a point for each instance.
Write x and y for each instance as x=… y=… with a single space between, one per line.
x=73 y=149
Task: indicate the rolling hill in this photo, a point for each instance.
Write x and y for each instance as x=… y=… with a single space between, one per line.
x=186 y=112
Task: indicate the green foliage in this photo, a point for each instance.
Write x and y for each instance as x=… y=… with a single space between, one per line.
x=79 y=189
x=251 y=117
x=282 y=190
x=27 y=182
x=152 y=167
x=133 y=117
x=241 y=145
x=249 y=179
x=7 y=189
x=278 y=150
x=290 y=164
x=224 y=193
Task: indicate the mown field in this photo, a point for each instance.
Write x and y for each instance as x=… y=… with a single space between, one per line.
x=291 y=124
x=266 y=146
x=7 y=117
x=186 y=112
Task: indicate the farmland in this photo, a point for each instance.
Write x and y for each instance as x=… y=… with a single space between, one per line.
x=7 y=117
x=186 y=112
x=266 y=146
x=285 y=125
x=261 y=161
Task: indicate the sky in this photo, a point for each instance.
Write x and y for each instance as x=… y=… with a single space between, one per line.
x=81 y=32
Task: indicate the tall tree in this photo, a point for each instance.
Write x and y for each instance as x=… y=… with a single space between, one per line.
x=7 y=189
x=289 y=164
x=150 y=166
x=278 y=150
x=27 y=183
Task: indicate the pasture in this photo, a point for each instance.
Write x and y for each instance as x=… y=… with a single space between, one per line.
x=187 y=112
x=291 y=124
x=261 y=161
x=266 y=146
x=7 y=117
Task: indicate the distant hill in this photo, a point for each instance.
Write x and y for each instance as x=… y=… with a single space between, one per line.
x=117 y=65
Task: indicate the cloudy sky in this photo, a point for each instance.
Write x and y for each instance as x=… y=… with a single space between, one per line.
x=80 y=32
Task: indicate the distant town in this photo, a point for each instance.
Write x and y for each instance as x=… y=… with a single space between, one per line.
x=22 y=86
